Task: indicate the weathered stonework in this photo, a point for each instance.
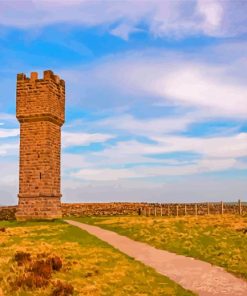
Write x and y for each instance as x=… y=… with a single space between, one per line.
x=7 y=213
x=151 y=209
x=40 y=106
x=128 y=208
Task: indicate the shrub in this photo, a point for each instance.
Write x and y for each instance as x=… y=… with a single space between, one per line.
x=37 y=274
x=63 y=289
x=31 y=280
x=41 y=268
x=55 y=262
x=244 y=230
x=22 y=257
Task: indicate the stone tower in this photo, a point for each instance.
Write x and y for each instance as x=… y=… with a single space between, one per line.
x=40 y=106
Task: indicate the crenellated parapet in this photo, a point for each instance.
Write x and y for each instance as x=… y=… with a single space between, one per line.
x=47 y=75
x=40 y=99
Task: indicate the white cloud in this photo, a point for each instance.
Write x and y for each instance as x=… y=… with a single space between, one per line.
x=162 y=77
x=132 y=125
x=205 y=87
x=186 y=189
x=9 y=149
x=215 y=155
x=203 y=166
x=6 y=133
x=218 y=147
x=104 y=174
x=162 y=18
x=213 y=13
x=8 y=180
x=70 y=139
x=123 y=31
x=73 y=161
x=7 y=116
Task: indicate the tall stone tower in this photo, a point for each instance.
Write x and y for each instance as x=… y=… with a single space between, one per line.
x=40 y=106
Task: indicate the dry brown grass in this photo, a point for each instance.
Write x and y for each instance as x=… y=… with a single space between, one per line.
x=90 y=266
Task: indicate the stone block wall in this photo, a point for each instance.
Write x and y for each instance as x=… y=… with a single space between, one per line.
x=48 y=208
x=40 y=109
x=100 y=209
x=149 y=209
x=8 y=213
x=40 y=146
x=118 y=208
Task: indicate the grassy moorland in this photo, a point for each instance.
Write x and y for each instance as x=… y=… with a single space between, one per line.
x=220 y=240
x=54 y=258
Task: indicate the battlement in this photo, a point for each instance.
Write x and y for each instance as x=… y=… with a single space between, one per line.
x=47 y=76
x=40 y=99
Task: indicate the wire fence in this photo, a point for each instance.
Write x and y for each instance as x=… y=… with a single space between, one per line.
x=184 y=209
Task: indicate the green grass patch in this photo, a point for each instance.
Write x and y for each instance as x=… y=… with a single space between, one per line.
x=90 y=265
x=220 y=240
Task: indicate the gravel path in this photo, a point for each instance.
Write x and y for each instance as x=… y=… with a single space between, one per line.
x=200 y=277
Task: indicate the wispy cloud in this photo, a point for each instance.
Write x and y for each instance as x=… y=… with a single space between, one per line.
x=161 y=18
x=162 y=77
x=217 y=147
x=188 y=188
x=104 y=174
x=214 y=155
x=203 y=166
x=6 y=133
x=71 y=139
x=222 y=147
x=9 y=149
x=204 y=87
x=151 y=126
x=7 y=117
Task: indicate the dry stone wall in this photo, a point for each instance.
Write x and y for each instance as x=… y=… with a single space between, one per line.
x=145 y=209
x=7 y=213
x=148 y=209
x=101 y=209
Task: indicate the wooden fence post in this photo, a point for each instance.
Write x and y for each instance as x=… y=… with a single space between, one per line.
x=177 y=210
x=149 y=211
x=185 y=209
x=222 y=208
x=168 y=210
x=155 y=213
x=208 y=206
x=196 y=209
x=161 y=211
x=239 y=207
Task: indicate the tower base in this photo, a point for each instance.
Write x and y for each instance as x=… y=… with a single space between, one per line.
x=39 y=208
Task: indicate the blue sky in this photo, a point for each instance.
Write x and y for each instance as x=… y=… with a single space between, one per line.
x=156 y=105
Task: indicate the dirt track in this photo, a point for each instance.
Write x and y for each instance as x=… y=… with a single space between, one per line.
x=195 y=275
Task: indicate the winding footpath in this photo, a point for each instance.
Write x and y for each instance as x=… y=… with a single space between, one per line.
x=198 y=276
